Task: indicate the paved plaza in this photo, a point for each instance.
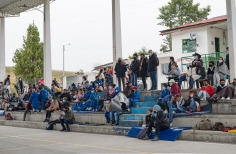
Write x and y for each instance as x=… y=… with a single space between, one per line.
x=14 y=140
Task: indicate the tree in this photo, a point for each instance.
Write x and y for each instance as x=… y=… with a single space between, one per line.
x=178 y=13
x=139 y=52
x=81 y=72
x=29 y=59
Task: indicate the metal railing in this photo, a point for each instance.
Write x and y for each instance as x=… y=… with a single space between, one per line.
x=206 y=58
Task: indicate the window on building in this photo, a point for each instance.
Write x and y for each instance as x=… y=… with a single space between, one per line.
x=189 y=45
x=164 y=67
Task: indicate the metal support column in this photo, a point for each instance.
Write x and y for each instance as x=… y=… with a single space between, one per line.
x=47 y=45
x=2 y=50
x=231 y=25
x=116 y=32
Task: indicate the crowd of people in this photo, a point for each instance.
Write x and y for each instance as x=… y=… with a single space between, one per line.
x=196 y=72
x=103 y=95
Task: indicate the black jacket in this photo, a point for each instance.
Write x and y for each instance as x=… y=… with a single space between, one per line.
x=7 y=80
x=67 y=95
x=161 y=118
x=135 y=66
x=153 y=63
x=209 y=71
x=148 y=119
x=120 y=70
x=144 y=70
x=227 y=60
x=219 y=88
x=169 y=66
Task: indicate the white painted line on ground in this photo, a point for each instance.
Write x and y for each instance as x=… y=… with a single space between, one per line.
x=5 y=136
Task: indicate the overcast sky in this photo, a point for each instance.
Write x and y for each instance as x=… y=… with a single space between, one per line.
x=87 y=26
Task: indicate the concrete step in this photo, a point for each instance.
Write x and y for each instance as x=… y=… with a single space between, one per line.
x=39 y=117
x=104 y=129
x=130 y=123
x=142 y=110
x=191 y=135
x=151 y=98
x=133 y=116
x=222 y=107
x=146 y=104
x=191 y=121
x=208 y=136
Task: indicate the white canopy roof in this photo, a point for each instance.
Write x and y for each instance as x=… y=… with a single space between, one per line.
x=15 y=7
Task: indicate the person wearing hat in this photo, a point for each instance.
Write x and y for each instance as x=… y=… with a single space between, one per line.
x=159 y=121
x=128 y=90
x=53 y=107
x=152 y=68
x=135 y=97
x=197 y=59
x=174 y=89
x=134 y=70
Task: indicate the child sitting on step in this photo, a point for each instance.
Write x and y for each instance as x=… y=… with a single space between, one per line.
x=107 y=108
x=149 y=117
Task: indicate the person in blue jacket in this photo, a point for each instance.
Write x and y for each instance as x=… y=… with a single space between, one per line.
x=165 y=91
x=43 y=97
x=135 y=97
x=117 y=89
x=86 y=93
x=99 y=81
x=83 y=105
x=34 y=100
x=91 y=86
x=91 y=99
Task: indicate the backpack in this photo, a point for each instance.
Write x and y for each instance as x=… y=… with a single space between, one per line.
x=218 y=126
x=203 y=125
x=8 y=116
x=50 y=125
x=226 y=129
x=142 y=133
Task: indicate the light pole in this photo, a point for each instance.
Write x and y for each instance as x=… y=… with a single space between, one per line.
x=64 y=59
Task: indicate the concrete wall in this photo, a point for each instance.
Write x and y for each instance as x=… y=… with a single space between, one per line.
x=211 y=34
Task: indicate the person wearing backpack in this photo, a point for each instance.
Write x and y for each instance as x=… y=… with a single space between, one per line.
x=152 y=68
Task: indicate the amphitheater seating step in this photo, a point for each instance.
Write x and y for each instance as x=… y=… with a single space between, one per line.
x=130 y=123
x=191 y=135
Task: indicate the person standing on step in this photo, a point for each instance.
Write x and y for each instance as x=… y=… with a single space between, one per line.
x=134 y=70
x=152 y=68
x=120 y=70
x=143 y=68
x=159 y=121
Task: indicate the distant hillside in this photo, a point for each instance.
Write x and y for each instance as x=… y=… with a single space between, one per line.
x=55 y=74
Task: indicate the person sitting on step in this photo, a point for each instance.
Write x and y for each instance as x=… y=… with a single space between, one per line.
x=53 y=107
x=223 y=92
x=164 y=92
x=175 y=105
x=149 y=117
x=107 y=108
x=206 y=91
x=135 y=97
x=159 y=121
x=66 y=117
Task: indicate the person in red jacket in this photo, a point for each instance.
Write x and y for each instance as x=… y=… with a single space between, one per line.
x=206 y=91
x=174 y=89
